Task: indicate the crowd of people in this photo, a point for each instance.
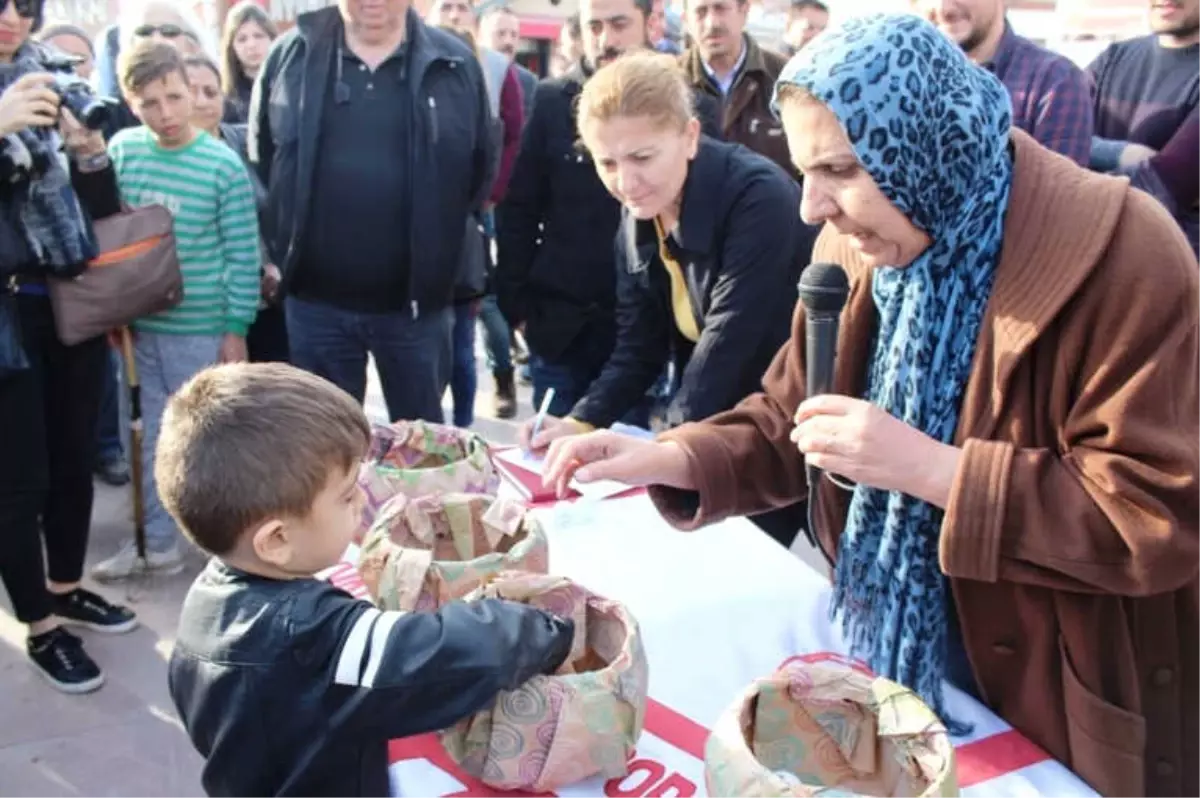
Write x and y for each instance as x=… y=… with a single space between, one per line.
x=1017 y=397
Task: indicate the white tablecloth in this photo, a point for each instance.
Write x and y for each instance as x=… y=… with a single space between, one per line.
x=717 y=608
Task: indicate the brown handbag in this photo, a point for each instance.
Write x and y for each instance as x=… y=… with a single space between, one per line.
x=136 y=274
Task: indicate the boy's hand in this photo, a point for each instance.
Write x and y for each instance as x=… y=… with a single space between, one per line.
x=233 y=349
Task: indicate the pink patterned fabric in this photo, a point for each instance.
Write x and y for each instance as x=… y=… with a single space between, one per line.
x=417 y=458
x=423 y=552
x=581 y=722
x=823 y=729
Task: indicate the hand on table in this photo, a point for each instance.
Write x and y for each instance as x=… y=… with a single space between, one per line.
x=552 y=429
x=233 y=349
x=863 y=443
x=610 y=455
x=28 y=102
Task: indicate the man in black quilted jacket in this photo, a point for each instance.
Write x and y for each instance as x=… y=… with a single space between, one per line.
x=556 y=229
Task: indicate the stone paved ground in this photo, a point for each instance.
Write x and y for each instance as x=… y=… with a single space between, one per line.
x=123 y=739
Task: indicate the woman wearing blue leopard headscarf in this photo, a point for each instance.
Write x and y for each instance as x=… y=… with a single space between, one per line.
x=1014 y=424
x=889 y=105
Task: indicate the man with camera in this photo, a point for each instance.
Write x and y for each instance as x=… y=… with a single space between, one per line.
x=55 y=178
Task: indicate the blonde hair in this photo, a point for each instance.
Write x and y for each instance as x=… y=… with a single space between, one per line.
x=639 y=84
x=134 y=14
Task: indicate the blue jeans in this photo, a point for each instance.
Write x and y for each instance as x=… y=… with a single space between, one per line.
x=496 y=336
x=463 y=380
x=164 y=364
x=108 y=425
x=413 y=355
x=570 y=381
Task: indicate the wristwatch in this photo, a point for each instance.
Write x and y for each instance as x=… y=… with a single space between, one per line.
x=92 y=163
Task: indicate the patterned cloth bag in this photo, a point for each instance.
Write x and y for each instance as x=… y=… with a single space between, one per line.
x=417 y=458
x=584 y=721
x=828 y=729
x=423 y=552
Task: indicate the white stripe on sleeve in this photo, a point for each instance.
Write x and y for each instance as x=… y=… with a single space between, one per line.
x=350 y=660
x=379 y=638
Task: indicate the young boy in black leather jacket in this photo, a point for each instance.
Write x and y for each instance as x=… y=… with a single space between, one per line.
x=286 y=684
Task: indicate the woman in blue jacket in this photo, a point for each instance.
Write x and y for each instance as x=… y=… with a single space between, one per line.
x=709 y=252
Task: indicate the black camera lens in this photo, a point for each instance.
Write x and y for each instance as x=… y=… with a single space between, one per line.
x=95 y=115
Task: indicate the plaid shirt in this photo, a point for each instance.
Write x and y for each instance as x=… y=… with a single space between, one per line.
x=1051 y=97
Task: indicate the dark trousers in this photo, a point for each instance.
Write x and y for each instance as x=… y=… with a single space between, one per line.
x=496 y=335
x=267 y=341
x=413 y=356
x=47 y=441
x=571 y=375
x=108 y=423
x=463 y=379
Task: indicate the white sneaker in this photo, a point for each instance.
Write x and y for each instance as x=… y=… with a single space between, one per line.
x=125 y=563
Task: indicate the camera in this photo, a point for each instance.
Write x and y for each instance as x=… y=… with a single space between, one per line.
x=74 y=92
x=37 y=148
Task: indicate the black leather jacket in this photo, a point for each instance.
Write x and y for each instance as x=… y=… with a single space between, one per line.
x=295 y=687
x=451 y=157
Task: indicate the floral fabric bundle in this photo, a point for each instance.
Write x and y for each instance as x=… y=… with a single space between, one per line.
x=424 y=552
x=827 y=729
x=417 y=458
x=583 y=721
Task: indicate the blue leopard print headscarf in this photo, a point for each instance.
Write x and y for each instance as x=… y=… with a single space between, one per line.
x=932 y=130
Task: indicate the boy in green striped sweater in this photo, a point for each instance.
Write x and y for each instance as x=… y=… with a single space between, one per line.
x=204 y=185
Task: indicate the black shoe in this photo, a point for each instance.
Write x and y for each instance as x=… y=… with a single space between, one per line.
x=60 y=658
x=113 y=472
x=506 y=395
x=84 y=608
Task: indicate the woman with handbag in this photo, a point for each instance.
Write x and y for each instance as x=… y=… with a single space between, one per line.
x=49 y=392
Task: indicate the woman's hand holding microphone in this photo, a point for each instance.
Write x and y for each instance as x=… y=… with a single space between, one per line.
x=838 y=434
x=863 y=443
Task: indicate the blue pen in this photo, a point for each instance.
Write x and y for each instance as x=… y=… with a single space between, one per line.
x=540 y=419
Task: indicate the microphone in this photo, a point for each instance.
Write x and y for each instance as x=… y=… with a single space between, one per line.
x=823 y=290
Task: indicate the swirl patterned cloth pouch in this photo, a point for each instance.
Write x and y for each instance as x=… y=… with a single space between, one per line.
x=423 y=552
x=418 y=458
x=828 y=729
x=583 y=721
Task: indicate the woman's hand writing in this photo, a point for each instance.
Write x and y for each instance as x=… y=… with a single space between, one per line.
x=859 y=441
x=551 y=430
x=28 y=102
x=610 y=455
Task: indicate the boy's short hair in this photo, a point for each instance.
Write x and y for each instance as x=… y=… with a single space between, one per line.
x=243 y=443
x=147 y=61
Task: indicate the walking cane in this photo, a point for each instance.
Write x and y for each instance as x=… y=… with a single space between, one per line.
x=135 y=442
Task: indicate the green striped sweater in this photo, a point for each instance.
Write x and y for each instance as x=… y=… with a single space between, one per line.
x=205 y=187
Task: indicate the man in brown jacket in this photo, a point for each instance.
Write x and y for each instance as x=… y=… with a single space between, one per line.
x=726 y=63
